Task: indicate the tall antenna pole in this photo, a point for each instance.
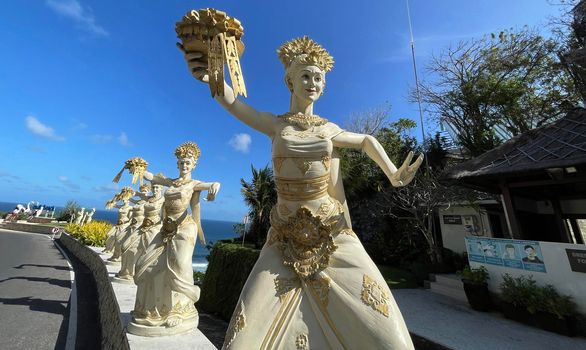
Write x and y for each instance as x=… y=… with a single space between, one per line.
x=418 y=95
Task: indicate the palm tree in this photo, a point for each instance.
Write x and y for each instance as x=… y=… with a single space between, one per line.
x=260 y=195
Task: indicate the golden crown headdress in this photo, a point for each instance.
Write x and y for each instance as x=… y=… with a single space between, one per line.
x=308 y=51
x=188 y=150
x=125 y=193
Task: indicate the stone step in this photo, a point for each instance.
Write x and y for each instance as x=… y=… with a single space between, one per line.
x=449 y=280
x=454 y=293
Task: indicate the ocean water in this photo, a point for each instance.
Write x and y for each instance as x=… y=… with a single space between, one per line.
x=214 y=230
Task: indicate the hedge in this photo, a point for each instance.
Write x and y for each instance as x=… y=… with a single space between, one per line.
x=229 y=267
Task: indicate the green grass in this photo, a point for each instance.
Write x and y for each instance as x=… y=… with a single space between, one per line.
x=397 y=278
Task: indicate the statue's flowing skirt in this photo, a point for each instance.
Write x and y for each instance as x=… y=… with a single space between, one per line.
x=347 y=305
x=113 y=239
x=128 y=246
x=164 y=277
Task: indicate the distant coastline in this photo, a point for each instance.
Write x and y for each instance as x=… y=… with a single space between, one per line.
x=214 y=230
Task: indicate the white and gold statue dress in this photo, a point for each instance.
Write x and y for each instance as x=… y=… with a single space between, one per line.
x=166 y=293
x=313 y=286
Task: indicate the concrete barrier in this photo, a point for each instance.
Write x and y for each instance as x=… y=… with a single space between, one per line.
x=26 y=227
x=113 y=335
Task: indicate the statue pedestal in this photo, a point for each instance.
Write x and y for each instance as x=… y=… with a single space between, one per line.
x=122 y=280
x=187 y=325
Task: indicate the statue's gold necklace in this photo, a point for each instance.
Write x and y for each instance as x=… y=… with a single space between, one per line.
x=303 y=121
x=180 y=182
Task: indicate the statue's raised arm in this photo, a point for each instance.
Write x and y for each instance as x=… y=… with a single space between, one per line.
x=206 y=48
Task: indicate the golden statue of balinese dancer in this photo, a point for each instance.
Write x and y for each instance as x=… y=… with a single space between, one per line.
x=313 y=286
x=163 y=273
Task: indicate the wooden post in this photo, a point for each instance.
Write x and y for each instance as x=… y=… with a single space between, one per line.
x=563 y=233
x=509 y=209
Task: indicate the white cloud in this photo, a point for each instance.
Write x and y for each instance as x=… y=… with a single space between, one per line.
x=40 y=129
x=241 y=142
x=72 y=9
x=123 y=139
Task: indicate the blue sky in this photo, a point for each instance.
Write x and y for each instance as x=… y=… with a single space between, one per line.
x=87 y=84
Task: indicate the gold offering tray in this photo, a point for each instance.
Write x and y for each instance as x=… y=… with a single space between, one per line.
x=218 y=37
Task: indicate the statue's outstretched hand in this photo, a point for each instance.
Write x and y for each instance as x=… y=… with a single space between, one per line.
x=197 y=67
x=405 y=174
x=212 y=191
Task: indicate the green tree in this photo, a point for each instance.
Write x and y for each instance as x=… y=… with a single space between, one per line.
x=362 y=177
x=570 y=29
x=71 y=207
x=490 y=89
x=260 y=195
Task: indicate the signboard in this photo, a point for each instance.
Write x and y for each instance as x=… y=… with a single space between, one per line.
x=517 y=254
x=577 y=259
x=452 y=219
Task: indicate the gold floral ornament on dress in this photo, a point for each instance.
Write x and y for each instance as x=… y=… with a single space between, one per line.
x=218 y=37
x=136 y=166
x=237 y=323
x=375 y=296
x=305 y=241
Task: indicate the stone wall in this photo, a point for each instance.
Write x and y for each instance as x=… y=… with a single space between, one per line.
x=26 y=227
x=113 y=335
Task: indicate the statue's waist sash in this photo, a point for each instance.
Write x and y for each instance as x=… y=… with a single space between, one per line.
x=301 y=189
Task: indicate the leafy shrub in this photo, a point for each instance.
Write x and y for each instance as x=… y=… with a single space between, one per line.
x=520 y=291
x=92 y=234
x=523 y=292
x=228 y=269
x=475 y=276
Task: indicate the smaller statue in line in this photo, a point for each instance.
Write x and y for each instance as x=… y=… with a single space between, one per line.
x=130 y=239
x=79 y=216
x=88 y=216
x=117 y=232
x=151 y=225
x=166 y=293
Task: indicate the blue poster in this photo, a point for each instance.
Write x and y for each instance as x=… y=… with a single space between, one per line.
x=517 y=254
x=474 y=248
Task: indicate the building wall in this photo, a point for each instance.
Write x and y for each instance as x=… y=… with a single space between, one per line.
x=558 y=272
x=569 y=207
x=453 y=234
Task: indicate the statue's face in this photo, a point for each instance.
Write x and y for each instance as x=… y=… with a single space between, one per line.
x=157 y=190
x=308 y=83
x=185 y=165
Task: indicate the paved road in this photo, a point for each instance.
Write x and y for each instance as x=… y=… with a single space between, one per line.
x=35 y=285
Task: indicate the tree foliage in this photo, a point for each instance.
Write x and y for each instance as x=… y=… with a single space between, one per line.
x=260 y=195
x=570 y=29
x=362 y=177
x=71 y=207
x=496 y=87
